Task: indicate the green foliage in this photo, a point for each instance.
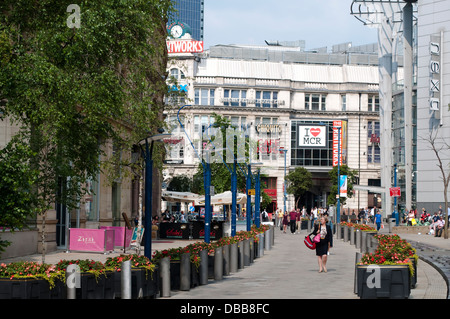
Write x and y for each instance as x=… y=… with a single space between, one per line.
x=74 y=89
x=351 y=176
x=299 y=181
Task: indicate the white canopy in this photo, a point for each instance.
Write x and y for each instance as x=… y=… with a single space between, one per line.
x=224 y=199
x=219 y=199
x=180 y=196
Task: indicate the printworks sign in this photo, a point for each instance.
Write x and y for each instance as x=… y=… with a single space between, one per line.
x=312 y=136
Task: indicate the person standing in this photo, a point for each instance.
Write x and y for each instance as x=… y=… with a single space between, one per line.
x=292 y=220
x=325 y=243
x=378 y=219
x=285 y=222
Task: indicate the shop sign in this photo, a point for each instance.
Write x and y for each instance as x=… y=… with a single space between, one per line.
x=312 y=136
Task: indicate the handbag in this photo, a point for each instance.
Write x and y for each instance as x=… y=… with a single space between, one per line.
x=309 y=243
x=317 y=238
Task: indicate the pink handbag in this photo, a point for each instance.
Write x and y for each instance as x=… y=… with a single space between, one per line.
x=316 y=238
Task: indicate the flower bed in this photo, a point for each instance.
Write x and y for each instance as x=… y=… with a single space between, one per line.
x=362 y=227
x=98 y=273
x=391 y=251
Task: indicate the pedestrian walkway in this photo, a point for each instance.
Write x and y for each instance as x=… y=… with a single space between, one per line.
x=290 y=270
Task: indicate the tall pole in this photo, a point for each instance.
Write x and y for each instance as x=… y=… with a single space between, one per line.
x=234 y=199
x=249 y=199
x=257 y=200
x=338 y=210
x=148 y=200
x=284 y=183
x=396 y=214
x=207 y=183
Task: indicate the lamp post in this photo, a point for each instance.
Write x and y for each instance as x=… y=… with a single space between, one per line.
x=148 y=190
x=284 y=184
x=338 y=208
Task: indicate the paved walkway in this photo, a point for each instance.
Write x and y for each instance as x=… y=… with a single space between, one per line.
x=290 y=271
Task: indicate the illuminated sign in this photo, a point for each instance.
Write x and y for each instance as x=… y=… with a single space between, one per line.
x=184 y=46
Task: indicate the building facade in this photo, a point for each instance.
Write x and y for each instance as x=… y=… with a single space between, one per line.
x=284 y=98
x=190 y=12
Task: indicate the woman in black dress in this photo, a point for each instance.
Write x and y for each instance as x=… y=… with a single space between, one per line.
x=322 y=247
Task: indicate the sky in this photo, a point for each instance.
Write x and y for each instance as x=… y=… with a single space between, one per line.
x=320 y=23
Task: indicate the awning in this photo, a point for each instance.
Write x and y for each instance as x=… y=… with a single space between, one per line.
x=224 y=199
x=180 y=196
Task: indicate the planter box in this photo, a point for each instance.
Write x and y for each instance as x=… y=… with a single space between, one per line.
x=144 y=283
x=92 y=287
x=31 y=288
x=393 y=282
x=175 y=278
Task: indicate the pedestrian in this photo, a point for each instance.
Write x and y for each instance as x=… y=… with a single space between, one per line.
x=378 y=219
x=280 y=219
x=325 y=243
x=293 y=220
x=285 y=222
x=298 y=221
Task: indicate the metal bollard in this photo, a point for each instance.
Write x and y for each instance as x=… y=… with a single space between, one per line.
x=261 y=244
x=241 y=255
x=164 y=265
x=268 y=239
x=72 y=281
x=247 y=252
x=338 y=228
x=352 y=235
x=234 y=257
x=226 y=260
x=185 y=272
x=357 y=239
x=272 y=232
x=358 y=258
x=218 y=264
x=203 y=269
x=346 y=230
x=125 y=280
x=363 y=242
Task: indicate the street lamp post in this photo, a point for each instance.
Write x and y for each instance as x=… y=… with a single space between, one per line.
x=149 y=190
x=284 y=184
x=338 y=208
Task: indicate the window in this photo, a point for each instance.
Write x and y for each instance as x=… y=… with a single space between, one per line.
x=266 y=99
x=204 y=96
x=343 y=102
x=234 y=97
x=177 y=74
x=373 y=148
x=315 y=102
x=374 y=103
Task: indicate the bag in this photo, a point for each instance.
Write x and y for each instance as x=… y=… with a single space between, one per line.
x=316 y=238
x=309 y=243
x=413 y=222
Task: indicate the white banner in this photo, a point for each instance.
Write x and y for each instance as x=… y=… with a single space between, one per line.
x=312 y=136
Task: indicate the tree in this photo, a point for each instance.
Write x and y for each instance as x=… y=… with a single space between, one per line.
x=439 y=147
x=333 y=174
x=72 y=90
x=180 y=183
x=298 y=182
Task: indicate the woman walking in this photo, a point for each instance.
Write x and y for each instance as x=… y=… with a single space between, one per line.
x=285 y=222
x=326 y=241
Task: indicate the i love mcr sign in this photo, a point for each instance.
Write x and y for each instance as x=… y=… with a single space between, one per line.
x=312 y=136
